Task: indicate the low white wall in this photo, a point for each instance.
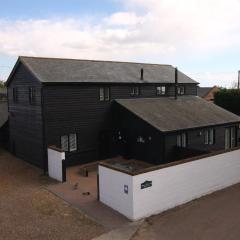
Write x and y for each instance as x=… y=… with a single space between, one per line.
x=55 y=159
x=111 y=190
x=171 y=186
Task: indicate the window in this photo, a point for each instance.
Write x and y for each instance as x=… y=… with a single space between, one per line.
x=209 y=136
x=69 y=142
x=104 y=94
x=134 y=91
x=230 y=137
x=182 y=140
x=161 y=90
x=32 y=95
x=72 y=142
x=64 y=143
x=15 y=94
x=181 y=90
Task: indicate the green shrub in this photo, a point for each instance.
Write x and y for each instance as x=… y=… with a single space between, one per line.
x=228 y=99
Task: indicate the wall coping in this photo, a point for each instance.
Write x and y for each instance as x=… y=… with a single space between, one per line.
x=53 y=147
x=167 y=165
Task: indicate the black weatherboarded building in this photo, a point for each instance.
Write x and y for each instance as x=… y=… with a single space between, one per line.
x=98 y=109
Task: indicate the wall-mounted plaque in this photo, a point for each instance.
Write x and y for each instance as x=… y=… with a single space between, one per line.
x=146 y=184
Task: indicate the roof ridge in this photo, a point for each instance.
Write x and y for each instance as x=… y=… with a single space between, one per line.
x=91 y=60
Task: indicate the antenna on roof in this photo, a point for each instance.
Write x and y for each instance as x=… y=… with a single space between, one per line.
x=176 y=83
x=142 y=71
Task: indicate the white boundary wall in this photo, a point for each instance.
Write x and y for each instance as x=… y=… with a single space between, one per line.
x=55 y=169
x=171 y=186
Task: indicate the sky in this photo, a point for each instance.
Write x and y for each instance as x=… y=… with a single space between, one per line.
x=200 y=37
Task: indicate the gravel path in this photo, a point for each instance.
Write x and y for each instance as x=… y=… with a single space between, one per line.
x=29 y=211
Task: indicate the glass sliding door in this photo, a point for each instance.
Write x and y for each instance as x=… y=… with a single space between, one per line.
x=230 y=137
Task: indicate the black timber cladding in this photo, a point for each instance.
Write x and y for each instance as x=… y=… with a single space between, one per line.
x=25 y=119
x=74 y=107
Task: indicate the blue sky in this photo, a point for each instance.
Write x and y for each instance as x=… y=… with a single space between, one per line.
x=200 y=37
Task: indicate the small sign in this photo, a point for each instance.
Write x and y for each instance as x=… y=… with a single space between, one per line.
x=146 y=184
x=126 y=189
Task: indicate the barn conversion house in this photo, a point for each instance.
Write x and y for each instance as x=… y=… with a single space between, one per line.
x=97 y=109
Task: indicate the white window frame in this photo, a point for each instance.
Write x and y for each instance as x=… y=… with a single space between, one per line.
x=230 y=137
x=104 y=94
x=135 y=91
x=69 y=142
x=160 y=90
x=181 y=90
x=64 y=143
x=209 y=136
x=182 y=140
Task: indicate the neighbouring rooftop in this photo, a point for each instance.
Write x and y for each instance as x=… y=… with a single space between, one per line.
x=55 y=70
x=187 y=112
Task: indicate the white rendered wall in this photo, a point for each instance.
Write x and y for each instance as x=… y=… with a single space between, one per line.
x=171 y=186
x=111 y=190
x=55 y=164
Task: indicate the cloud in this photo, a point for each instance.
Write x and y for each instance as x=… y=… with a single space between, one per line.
x=163 y=31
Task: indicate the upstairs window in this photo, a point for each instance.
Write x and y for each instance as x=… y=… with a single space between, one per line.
x=209 y=136
x=69 y=142
x=181 y=90
x=182 y=140
x=134 y=91
x=32 y=95
x=160 y=90
x=15 y=94
x=104 y=94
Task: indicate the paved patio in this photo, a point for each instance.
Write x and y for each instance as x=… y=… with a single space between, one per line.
x=81 y=192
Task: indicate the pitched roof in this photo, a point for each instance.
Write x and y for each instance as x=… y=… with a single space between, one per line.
x=168 y=114
x=3 y=113
x=203 y=91
x=54 y=70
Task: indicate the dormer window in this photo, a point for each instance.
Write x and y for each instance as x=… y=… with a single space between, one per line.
x=134 y=91
x=160 y=90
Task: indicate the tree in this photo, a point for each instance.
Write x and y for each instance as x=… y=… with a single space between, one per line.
x=228 y=99
x=2 y=84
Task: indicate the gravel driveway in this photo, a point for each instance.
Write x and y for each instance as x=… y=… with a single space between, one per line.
x=29 y=211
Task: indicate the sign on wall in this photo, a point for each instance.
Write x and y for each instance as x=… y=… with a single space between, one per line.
x=146 y=184
x=126 y=189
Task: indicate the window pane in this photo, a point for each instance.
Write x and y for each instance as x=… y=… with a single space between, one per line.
x=107 y=94
x=233 y=137
x=227 y=138
x=64 y=143
x=32 y=95
x=132 y=91
x=73 y=142
x=136 y=91
x=101 y=94
x=163 y=90
x=211 y=136
x=181 y=90
x=206 y=139
x=184 y=140
x=179 y=141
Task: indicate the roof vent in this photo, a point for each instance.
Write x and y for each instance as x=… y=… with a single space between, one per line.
x=142 y=73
